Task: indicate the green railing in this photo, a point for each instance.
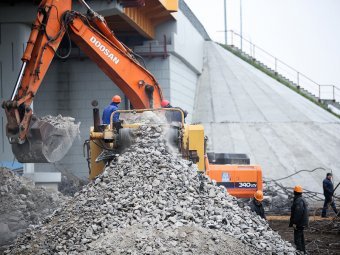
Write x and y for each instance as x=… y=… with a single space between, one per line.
x=280 y=68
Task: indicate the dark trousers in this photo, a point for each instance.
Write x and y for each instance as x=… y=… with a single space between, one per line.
x=328 y=201
x=299 y=239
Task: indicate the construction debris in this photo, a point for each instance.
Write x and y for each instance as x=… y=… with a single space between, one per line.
x=277 y=198
x=186 y=239
x=70 y=184
x=151 y=201
x=22 y=204
x=60 y=138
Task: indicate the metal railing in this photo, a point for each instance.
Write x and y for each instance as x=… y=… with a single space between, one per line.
x=280 y=68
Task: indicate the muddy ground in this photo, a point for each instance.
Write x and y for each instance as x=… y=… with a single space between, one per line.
x=322 y=237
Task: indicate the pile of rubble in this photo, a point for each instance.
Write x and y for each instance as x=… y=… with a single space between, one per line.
x=70 y=184
x=277 y=198
x=187 y=239
x=22 y=204
x=150 y=201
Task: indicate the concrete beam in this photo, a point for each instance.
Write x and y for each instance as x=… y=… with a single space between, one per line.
x=26 y=12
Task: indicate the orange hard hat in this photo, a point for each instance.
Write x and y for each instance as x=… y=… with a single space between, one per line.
x=298 y=189
x=165 y=103
x=258 y=195
x=116 y=99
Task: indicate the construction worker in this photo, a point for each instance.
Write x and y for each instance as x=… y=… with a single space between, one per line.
x=299 y=218
x=165 y=104
x=173 y=115
x=113 y=106
x=328 y=191
x=256 y=204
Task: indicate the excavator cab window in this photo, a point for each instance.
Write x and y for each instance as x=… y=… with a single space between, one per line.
x=175 y=115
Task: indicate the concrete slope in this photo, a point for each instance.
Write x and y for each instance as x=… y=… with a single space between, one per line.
x=245 y=111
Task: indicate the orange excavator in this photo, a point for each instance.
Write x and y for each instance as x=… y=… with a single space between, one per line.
x=34 y=140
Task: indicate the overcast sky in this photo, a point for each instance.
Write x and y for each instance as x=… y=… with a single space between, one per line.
x=302 y=33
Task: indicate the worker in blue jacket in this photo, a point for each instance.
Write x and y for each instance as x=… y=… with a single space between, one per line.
x=328 y=191
x=113 y=106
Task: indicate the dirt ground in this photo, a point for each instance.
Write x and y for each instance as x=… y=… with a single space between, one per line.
x=322 y=236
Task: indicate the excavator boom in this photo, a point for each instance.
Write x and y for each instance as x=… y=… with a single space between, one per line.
x=30 y=136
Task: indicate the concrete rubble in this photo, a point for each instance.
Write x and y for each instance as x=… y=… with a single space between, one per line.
x=150 y=201
x=277 y=199
x=62 y=122
x=22 y=204
x=60 y=136
x=70 y=184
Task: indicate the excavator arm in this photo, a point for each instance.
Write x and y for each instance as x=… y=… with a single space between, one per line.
x=135 y=81
x=55 y=19
x=46 y=35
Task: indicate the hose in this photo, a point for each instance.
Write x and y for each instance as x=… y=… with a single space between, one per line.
x=297 y=172
x=309 y=194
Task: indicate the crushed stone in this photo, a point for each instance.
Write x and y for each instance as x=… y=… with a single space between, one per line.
x=60 y=136
x=151 y=201
x=22 y=204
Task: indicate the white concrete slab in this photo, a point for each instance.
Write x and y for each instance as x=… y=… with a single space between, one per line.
x=245 y=111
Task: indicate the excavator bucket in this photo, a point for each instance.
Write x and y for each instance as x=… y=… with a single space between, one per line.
x=48 y=140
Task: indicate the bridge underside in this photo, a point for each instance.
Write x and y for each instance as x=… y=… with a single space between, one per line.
x=136 y=18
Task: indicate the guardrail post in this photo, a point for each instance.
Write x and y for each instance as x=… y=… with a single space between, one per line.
x=232 y=38
x=333 y=93
x=275 y=66
x=241 y=43
x=319 y=93
x=254 y=51
x=298 y=80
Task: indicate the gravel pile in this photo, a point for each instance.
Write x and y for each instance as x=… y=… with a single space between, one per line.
x=150 y=201
x=187 y=239
x=22 y=204
x=70 y=184
x=277 y=198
